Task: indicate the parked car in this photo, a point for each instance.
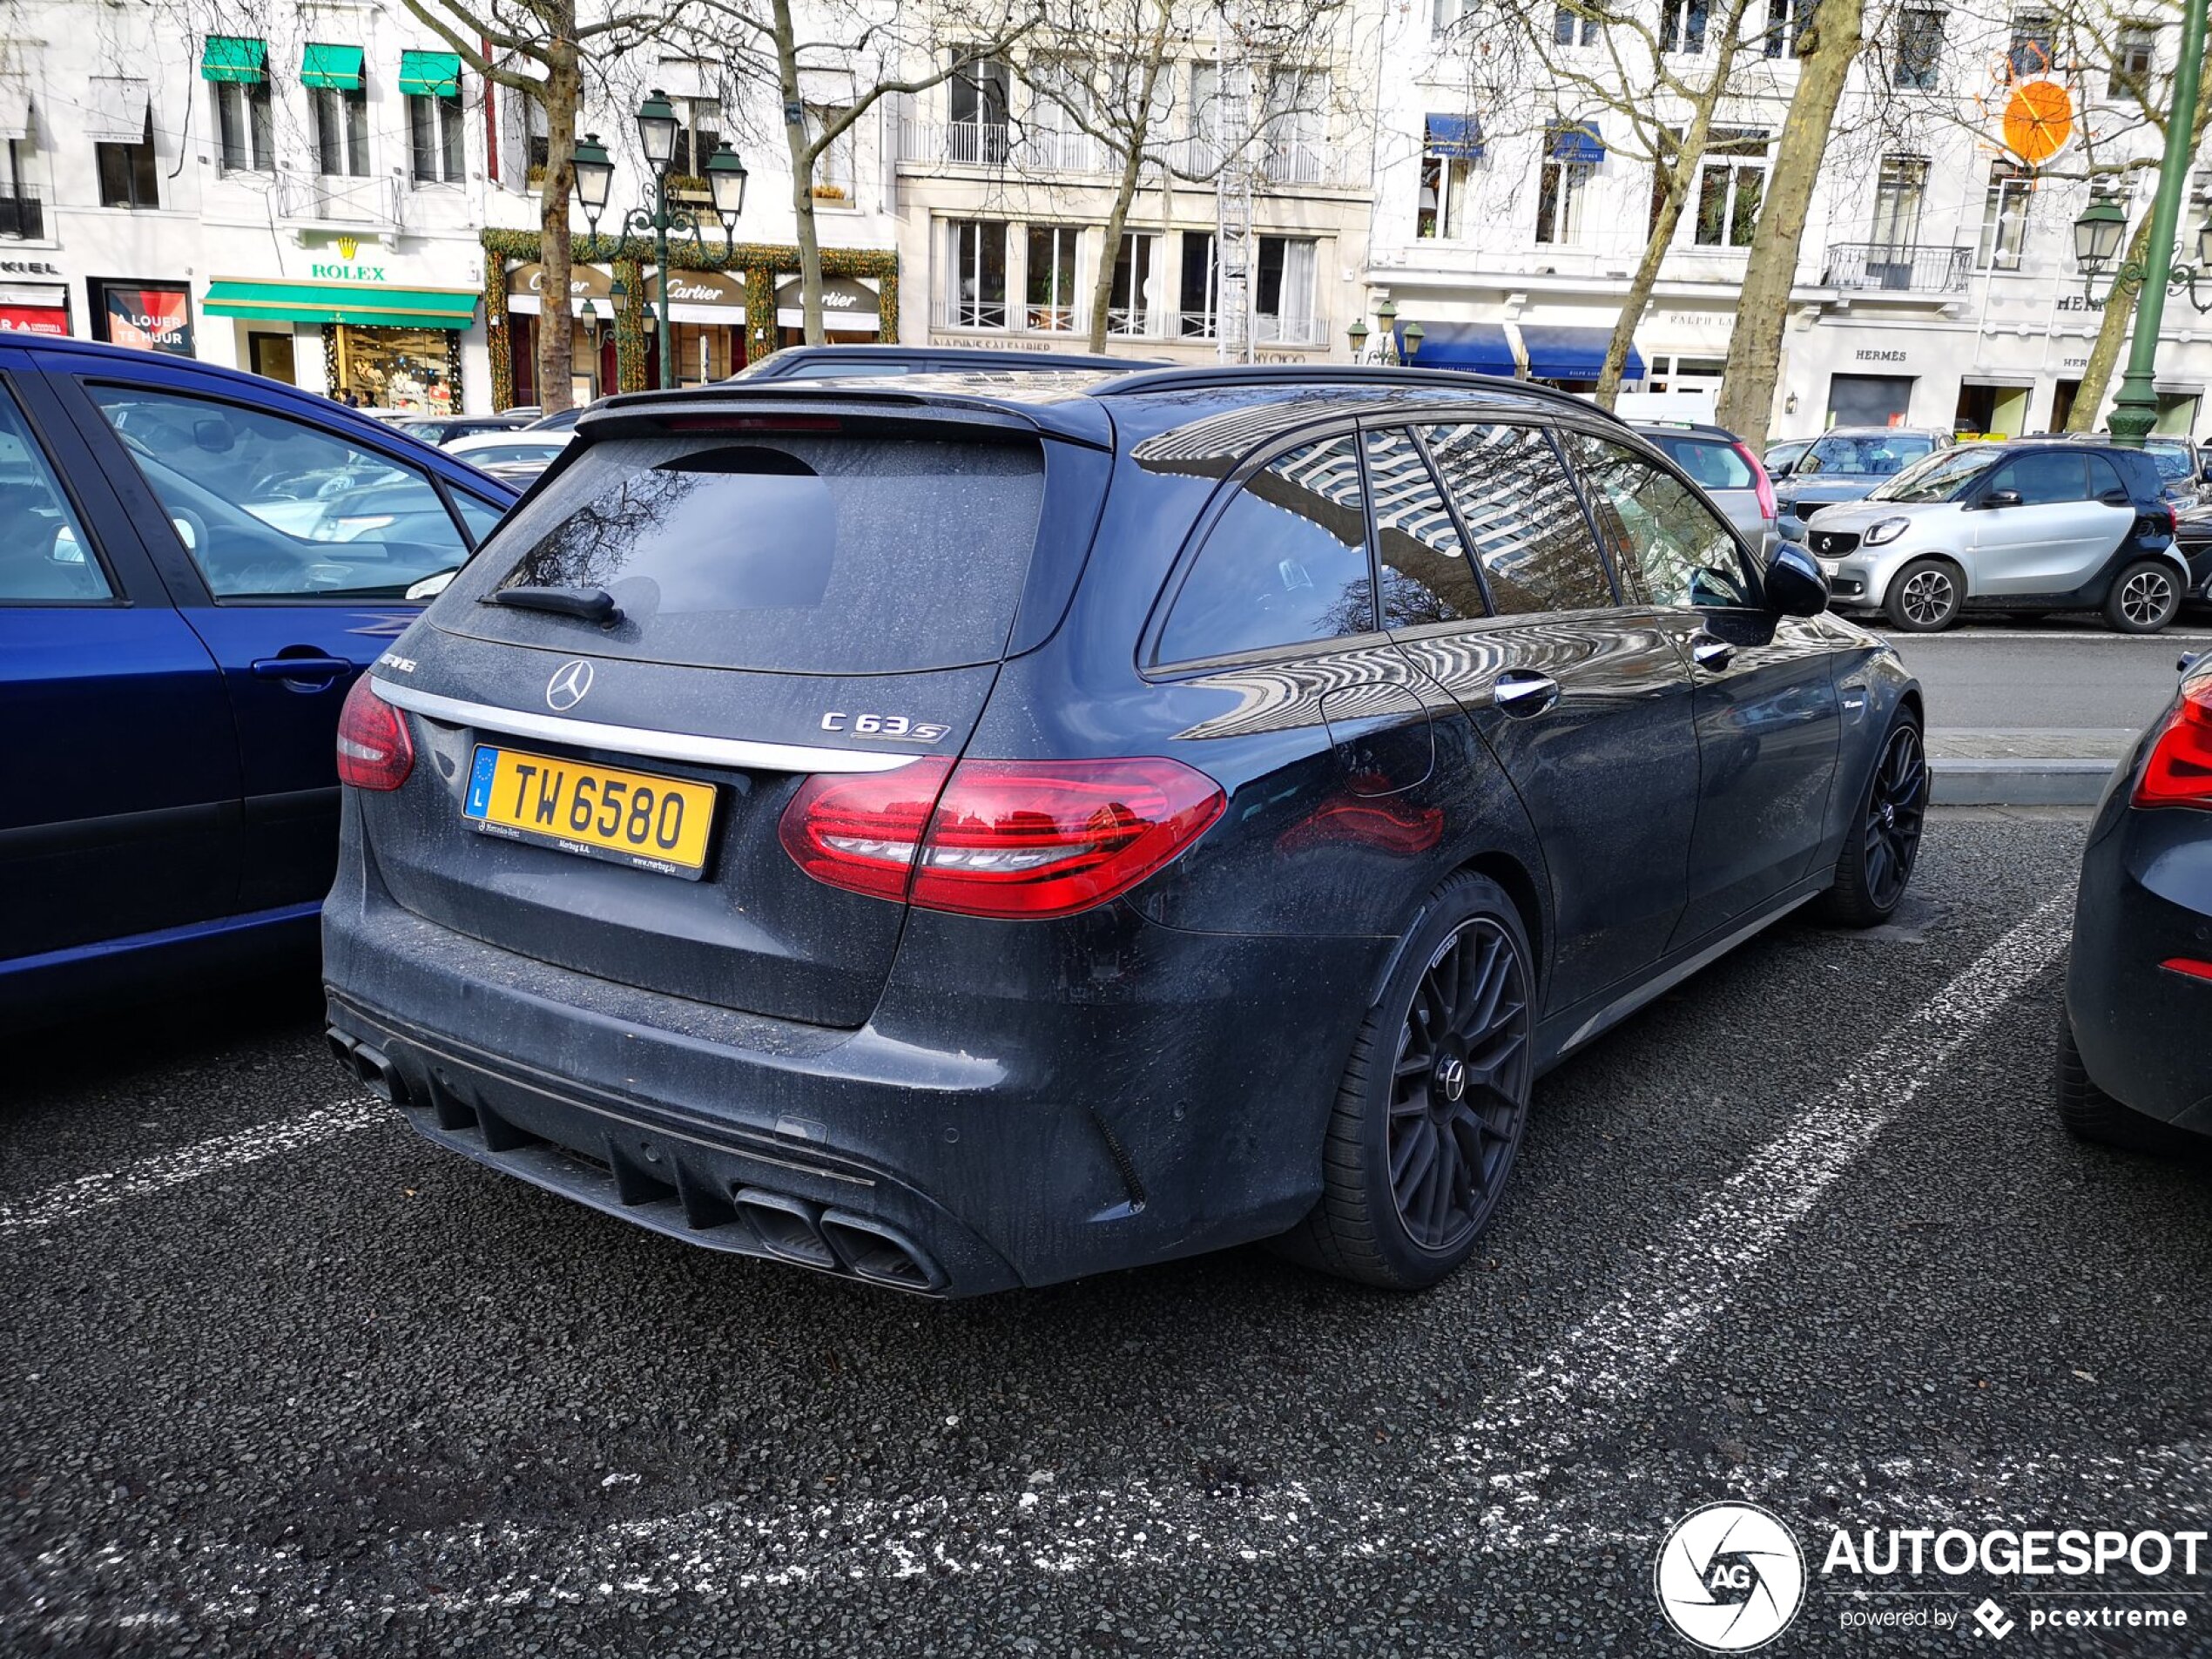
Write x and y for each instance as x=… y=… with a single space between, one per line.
x=2134 y=1066
x=851 y=362
x=1722 y=465
x=2180 y=463
x=516 y=456
x=1781 y=458
x=2192 y=536
x=443 y=429
x=2021 y=527
x=1843 y=463
x=971 y=834
x=194 y=565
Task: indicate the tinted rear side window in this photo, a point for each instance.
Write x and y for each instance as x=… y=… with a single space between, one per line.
x=824 y=555
x=1527 y=521
x=2044 y=477
x=1284 y=566
x=1708 y=461
x=1426 y=575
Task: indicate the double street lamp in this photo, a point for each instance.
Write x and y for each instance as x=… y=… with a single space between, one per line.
x=1388 y=352
x=657 y=128
x=2096 y=240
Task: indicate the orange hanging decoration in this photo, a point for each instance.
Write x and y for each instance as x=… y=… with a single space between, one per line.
x=2038 y=121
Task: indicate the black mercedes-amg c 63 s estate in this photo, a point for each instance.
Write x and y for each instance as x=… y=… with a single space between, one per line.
x=969 y=834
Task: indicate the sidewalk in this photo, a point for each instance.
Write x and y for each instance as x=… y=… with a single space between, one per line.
x=2024 y=766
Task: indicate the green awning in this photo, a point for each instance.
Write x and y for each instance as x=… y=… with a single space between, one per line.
x=369 y=305
x=430 y=74
x=234 y=57
x=339 y=66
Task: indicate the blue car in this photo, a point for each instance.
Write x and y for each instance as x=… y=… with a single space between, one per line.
x=195 y=564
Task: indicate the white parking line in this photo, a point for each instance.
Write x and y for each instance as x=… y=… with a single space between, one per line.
x=87 y=1193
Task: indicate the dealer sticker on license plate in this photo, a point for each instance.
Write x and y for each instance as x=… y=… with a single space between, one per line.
x=658 y=824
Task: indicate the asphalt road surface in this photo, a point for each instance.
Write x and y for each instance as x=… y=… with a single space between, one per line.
x=2065 y=673
x=279 y=1378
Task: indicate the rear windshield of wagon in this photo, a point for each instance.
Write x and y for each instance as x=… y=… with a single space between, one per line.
x=799 y=553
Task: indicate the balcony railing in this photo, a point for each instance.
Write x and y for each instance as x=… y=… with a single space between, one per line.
x=1279 y=163
x=334 y=199
x=1877 y=267
x=1267 y=330
x=23 y=215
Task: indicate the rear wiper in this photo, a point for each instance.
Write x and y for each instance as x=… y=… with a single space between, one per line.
x=585 y=604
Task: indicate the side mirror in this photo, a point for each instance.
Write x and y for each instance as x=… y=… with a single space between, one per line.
x=67 y=549
x=214 y=437
x=1782 y=471
x=2002 y=498
x=2205 y=476
x=1795 y=586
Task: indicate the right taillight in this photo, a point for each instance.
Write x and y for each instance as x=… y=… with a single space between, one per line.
x=2179 y=772
x=1012 y=839
x=373 y=749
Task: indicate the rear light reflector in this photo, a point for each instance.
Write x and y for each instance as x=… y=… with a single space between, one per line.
x=1014 y=839
x=2189 y=966
x=373 y=749
x=1760 y=481
x=2179 y=772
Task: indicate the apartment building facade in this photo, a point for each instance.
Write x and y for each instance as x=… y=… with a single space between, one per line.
x=1937 y=285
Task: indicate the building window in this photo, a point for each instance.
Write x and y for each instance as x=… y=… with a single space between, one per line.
x=698 y=132
x=434 y=135
x=244 y=127
x=2134 y=56
x=976 y=263
x=1052 y=278
x=2004 y=218
x=2031 y=55
x=1570 y=27
x=128 y=178
x=1898 y=192
x=833 y=167
x=21 y=214
x=1128 y=307
x=1200 y=292
x=1562 y=186
x=1730 y=185
x=979 y=112
x=538 y=138
x=1283 y=283
x=1788 y=27
x=341 y=116
x=1682 y=25
x=1920 y=47
x=1447 y=14
x=1294 y=126
x=1452 y=145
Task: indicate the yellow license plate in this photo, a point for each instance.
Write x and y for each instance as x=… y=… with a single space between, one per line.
x=658 y=824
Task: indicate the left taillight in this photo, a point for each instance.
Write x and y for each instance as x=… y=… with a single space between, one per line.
x=1013 y=838
x=373 y=749
x=1760 y=481
x=2179 y=772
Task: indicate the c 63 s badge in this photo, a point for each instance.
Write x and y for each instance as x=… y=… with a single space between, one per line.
x=883 y=725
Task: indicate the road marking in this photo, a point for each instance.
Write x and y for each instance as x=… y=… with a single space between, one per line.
x=1478 y=1494
x=88 y=1193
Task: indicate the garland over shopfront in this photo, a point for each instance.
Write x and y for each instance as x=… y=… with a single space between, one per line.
x=760 y=263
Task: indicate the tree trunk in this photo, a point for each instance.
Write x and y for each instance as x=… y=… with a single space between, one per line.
x=1762 y=306
x=802 y=173
x=2112 y=338
x=1654 y=255
x=563 y=87
x=1101 y=293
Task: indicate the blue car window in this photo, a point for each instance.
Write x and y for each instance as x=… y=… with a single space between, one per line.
x=45 y=557
x=481 y=516
x=273 y=507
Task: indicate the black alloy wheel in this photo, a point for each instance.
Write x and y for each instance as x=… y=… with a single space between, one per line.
x=1877 y=864
x=1460 y=1086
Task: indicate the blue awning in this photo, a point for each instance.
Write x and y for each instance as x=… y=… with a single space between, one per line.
x=1477 y=347
x=1559 y=351
x=1457 y=136
x=1577 y=143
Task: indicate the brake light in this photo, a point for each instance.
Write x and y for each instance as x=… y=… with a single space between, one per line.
x=1013 y=838
x=373 y=749
x=2179 y=772
x=2189 y=966
x=1760 y=481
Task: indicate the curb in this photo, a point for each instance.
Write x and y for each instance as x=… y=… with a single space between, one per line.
x=2018 y=783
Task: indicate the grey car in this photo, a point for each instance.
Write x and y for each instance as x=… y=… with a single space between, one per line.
x=1845 y=463
x=1722 y=465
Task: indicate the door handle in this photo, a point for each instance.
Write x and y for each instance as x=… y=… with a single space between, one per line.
x=318 y=671
x=1708 y=652
x=1522 y=691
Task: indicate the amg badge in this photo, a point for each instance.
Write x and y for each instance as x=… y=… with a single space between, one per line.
x=883 y=725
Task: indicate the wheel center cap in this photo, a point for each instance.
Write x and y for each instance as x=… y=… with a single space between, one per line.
x=1452 y=1079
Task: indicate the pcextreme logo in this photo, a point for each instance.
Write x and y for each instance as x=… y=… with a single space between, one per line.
x=1729 y=1577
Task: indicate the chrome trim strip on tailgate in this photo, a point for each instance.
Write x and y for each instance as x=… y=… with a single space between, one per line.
x=636 y=740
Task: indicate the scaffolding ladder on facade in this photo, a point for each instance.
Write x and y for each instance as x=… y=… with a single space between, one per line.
x=1233 y=187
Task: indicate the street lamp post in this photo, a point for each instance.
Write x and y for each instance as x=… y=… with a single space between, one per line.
x=1388 y=353
x=2097 y=235
x=725 y=180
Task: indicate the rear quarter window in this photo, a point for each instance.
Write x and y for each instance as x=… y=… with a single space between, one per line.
x=786 y=552
x=1710 y=462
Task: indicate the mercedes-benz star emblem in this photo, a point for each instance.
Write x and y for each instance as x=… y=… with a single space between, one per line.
x=1452 y=1076
x=569 y=682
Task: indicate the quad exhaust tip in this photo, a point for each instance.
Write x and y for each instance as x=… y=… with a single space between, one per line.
x=375 y=1073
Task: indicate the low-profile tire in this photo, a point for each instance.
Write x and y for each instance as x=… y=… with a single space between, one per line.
x=1434 y=1100
x=1883 y=842
x=2146 y=596
x=1924 y=597
x=2088 y=1113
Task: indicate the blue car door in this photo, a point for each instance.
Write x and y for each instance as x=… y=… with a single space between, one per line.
x=291 y=542
x=120 y=814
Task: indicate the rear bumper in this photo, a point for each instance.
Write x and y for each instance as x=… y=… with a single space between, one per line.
x=1061 y=1099
x=2145 y=897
